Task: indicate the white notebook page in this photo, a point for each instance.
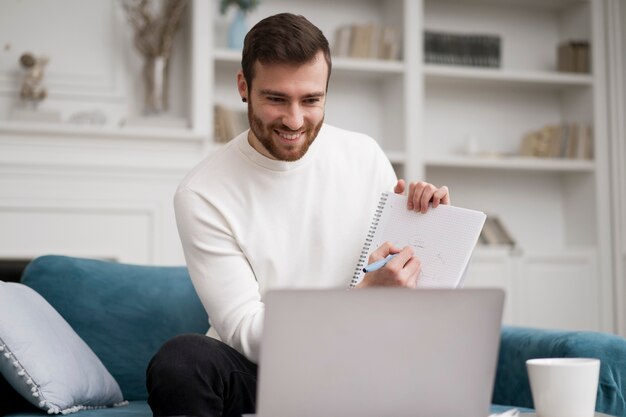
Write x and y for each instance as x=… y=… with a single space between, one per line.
x=443 y=238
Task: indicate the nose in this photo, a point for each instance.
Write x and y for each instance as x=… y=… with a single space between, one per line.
x=293 y=117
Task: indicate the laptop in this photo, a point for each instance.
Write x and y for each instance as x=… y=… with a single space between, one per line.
x=379 y=352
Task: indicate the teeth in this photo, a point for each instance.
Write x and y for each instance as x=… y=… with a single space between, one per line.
x=289 y=137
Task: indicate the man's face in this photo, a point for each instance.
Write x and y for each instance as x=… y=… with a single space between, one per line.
x=286 y=107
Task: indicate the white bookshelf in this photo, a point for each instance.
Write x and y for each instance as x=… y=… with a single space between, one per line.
x=423 y=115
x=555 y=208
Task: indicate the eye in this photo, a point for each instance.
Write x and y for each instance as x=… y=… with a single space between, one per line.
x=275 y=99
x=312 y=100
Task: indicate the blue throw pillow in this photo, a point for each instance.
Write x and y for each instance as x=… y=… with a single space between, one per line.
x=123 y=312
x=45 y=360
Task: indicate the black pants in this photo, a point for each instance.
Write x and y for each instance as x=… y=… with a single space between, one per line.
x=196 y=375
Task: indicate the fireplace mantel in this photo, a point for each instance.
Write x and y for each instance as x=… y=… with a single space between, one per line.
x=91 y=191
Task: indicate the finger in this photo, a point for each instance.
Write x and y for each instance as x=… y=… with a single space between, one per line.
x=421 y=193
x=382 y=251
x=410 y=203
x=437 y=195
x=427 y=196
x=413 y=269
x=378 y=254
x=435 y=200
x=418 y=189
x=446 y=197
x=398 y=263
x=400 y=186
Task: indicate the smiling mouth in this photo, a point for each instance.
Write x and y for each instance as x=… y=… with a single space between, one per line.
x=289 y=136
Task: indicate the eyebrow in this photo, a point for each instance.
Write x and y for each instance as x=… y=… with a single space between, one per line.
x=269 y=92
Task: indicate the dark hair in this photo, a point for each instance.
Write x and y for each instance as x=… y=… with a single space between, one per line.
x=284 y=38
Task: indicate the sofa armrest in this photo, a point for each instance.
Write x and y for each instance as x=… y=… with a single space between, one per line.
x=519 y=344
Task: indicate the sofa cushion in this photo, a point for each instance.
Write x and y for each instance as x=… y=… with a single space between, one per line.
x=123 y=312
x=45 y=360
x=133 y=409
x=520 y=344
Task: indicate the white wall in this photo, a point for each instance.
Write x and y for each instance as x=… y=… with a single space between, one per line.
x=96 y=191
x=93 y=63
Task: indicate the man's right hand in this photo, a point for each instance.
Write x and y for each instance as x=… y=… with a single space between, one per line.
x=401 y=271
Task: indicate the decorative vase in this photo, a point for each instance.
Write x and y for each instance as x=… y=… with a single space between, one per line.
x=237 y=31
x=154 y=77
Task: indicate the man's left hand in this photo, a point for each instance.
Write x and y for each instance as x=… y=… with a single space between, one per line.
x=421 y=194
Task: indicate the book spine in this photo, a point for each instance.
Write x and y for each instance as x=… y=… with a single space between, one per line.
x=368 y=240
x=476 y=50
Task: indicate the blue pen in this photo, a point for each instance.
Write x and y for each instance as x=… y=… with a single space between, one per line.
x=375 y=266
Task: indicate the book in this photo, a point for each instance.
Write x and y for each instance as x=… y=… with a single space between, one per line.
x=573 y=56
x=588 y=143
x=343 y=40
x=367 y=41
x=566 y=141
x=495 y=233
x=478 y=50
x=443 y=239
x=228 y=123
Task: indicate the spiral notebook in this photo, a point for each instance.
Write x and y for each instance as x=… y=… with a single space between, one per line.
x=443 y=239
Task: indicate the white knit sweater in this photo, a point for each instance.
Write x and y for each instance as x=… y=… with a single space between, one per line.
x=249 y=224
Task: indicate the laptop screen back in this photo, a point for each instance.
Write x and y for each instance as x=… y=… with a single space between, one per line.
x=379 y=352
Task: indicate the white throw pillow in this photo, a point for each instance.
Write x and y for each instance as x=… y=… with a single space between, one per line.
x=45 y=360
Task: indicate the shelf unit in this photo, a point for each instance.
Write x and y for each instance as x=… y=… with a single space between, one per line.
x=424 y=114
x=555 y=208
x=358 y=87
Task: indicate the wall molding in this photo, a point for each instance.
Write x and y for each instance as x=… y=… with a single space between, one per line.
x=150 y=212
x=69 y=85
x=541 y=277
x=26 y=148
x=617 y=131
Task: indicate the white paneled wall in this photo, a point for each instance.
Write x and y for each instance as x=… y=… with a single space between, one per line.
x=93 y=63
x=91 y=195
x=96 y=191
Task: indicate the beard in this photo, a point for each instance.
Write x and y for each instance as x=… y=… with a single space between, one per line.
x=265 y=134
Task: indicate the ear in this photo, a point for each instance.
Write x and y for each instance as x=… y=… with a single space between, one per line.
x=242 y=85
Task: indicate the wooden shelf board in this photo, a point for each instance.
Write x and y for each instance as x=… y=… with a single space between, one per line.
x=230 y=57
x=471 y=74
x=512 y=163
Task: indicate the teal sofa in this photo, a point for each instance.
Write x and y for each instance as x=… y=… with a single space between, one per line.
x=126 y=312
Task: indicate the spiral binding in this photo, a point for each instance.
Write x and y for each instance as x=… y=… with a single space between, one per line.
x=368 y=240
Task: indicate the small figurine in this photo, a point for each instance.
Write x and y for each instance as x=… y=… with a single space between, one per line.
x=32 y=89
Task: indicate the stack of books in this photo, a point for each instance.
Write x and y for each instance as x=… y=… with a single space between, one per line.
x=573 y=56
x=228 y=123
x=494 y=233
x=461 y=49
x=569 y=140
x=367 y=41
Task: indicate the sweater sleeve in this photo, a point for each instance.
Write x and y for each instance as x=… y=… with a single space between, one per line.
x=220 y=272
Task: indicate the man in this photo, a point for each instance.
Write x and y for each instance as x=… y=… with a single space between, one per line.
x=286 y=204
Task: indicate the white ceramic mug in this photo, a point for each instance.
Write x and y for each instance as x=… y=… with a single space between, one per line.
x=564 y=387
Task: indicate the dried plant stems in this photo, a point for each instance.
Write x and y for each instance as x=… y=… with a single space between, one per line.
x=154 y=37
